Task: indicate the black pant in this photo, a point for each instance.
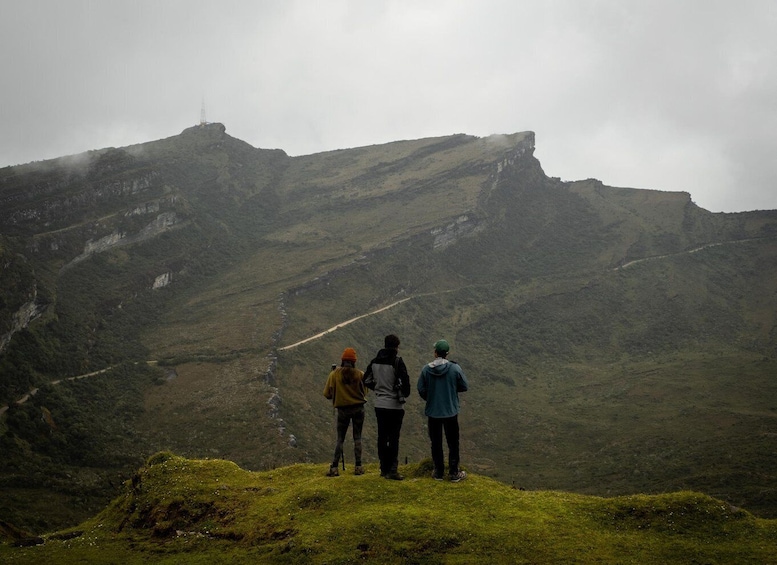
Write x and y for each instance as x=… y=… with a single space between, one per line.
x=389 y=427
x=345 y=415
x=451 y=428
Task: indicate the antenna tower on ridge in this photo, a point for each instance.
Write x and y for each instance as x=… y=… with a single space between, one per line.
x=203 y=122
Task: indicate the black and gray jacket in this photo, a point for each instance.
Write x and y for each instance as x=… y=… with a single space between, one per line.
x=387 y=376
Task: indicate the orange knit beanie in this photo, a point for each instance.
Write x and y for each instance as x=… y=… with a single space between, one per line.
x=349 y=354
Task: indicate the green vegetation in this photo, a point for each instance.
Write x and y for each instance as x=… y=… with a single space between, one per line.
x=177 y=510
x=67 y=449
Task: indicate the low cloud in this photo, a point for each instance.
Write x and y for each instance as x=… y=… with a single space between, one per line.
x=657 y=95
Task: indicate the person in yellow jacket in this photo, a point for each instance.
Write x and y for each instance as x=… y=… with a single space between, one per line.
x=345 y=388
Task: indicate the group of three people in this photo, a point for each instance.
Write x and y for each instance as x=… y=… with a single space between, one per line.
x=439 y=385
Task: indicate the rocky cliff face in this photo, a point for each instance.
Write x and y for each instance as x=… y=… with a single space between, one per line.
x=20 y=320
x=19 y=295
x=162 y=223
x=59 y=193
x=446 y=235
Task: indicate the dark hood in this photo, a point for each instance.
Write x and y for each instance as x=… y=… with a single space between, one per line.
x=386 y=356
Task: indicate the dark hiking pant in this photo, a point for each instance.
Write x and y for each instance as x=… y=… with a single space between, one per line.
x=451 y=428
x=345 y=416
x=389 y=427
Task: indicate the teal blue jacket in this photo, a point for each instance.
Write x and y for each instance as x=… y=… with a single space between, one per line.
x=440 y=383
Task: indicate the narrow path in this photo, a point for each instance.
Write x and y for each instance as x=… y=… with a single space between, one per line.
x=343 y=324
x=688 y=252
x=34 y=391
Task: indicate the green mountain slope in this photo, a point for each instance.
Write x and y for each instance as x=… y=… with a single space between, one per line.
x=177 y=510
x=616 y=340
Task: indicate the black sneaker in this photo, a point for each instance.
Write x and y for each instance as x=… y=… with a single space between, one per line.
x=436 y=476
x=460 y=476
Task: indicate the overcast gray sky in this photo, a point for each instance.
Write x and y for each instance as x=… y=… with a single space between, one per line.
x=676 y=95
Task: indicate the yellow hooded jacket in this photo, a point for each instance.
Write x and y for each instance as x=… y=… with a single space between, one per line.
x=345 y=394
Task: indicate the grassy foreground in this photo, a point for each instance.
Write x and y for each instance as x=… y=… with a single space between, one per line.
x=177 y=510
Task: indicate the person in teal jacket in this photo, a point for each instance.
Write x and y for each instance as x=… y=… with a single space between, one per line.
x=440 y=383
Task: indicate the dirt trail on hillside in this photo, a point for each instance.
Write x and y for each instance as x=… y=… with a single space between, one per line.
x=343 y=324
x=688 y=252
x=35 y=390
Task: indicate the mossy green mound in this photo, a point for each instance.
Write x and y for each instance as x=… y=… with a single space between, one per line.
x=177 y=510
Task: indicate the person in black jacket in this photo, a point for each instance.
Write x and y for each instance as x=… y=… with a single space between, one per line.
x=387 y=376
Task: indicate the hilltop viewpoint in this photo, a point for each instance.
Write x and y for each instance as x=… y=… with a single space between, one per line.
x=177 y=510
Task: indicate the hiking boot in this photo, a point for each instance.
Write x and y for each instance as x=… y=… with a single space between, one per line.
x=358 y=470
x=333 y=472
x=394 y=476
x=460 y=476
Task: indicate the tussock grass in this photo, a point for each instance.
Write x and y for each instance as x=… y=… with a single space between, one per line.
x=177 y=510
